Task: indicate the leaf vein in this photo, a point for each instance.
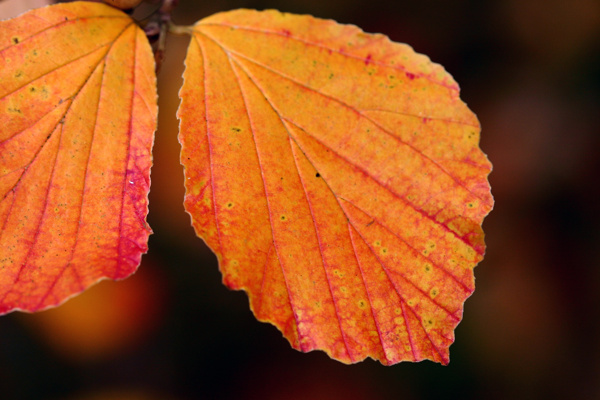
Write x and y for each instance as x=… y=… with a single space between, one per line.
x=266 y=193
x=415 y=251
x=73 y=247
x=210 y=149
x=362 y=277
x=323 y=263
x=119 y=244
x=383 y=185
x=362 y=114
x=68 y=264
x=402 y=299
x=108 y=45
x=329 y=49
x=58 y=25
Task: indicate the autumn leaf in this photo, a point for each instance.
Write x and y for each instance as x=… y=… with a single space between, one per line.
x=337 y=176
x=77 y=117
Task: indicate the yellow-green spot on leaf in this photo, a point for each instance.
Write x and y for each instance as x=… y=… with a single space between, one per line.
x=197 y=188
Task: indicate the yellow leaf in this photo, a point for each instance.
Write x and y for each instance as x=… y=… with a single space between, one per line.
x=77 y=117
x=337 y=176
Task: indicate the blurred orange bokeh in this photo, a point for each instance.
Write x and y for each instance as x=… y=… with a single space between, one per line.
x=106 y=320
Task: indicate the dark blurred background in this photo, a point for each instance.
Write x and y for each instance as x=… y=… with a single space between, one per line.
x=530 y=70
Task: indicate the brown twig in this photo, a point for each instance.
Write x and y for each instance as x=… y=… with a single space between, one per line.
x=157 y=27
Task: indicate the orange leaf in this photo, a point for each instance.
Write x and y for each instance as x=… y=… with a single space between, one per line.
x=337 y=176
x=78 y=114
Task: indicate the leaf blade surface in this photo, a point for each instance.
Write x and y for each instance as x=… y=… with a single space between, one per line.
x=337 y=176
x=78 y=111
